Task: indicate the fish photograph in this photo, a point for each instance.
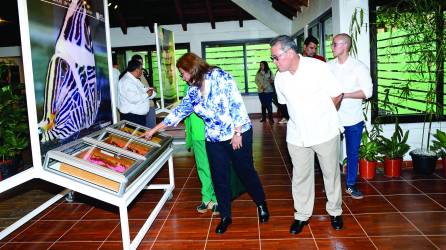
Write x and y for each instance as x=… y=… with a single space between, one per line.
x=70 y=67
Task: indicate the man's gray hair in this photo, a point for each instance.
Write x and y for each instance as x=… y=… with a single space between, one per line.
x=285 y=42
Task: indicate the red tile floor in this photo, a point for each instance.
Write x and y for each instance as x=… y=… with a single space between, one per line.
x=406 y=213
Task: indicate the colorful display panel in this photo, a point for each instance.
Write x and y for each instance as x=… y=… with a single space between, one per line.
x=166 y=54
x=70 y=69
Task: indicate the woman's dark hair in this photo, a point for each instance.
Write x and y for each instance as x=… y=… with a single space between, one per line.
x=265 y=67
x=136 y=57
x=195 y=66
x=131 y=66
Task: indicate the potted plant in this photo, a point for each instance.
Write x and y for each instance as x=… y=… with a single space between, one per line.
x=13 y=127
x=439 y=146
x=369 y=152
x=393 y=149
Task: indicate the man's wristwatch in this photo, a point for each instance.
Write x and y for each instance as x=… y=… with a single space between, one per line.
x=238 y=133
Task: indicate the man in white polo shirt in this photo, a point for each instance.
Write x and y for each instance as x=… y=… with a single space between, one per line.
x=312 y=95
x=357 y=85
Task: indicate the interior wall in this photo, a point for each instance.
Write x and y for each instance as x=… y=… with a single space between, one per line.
x=12 y=51
x=195 y=35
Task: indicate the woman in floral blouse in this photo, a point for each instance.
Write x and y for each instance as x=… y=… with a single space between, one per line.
x=214 y=96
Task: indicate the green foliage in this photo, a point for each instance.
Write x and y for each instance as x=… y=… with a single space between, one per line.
x=396 y=146
x=13 y=121
x=439 y=143
x=414 y=44
x=355 y=28
x=370 y=146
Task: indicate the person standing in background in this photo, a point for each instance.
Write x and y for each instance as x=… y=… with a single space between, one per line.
x=133 y=97
x=357 y=85
x=147 y=81
x=264 y=79
x=310 y=48
x=195 y=140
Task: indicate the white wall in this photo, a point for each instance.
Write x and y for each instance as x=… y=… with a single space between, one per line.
x=12 y=51
x=195 y=35
x=309 y=14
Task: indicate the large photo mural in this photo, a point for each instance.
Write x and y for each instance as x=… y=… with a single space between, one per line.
x=167 y=60
x=70 y=66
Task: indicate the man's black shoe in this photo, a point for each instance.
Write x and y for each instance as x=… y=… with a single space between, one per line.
x=297 y=226
x=224 y=223
x=263 y=212
x=336 y=222
x=262 y=120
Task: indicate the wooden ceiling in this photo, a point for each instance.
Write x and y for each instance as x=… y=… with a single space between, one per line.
x=9 y=24
x=134 y=13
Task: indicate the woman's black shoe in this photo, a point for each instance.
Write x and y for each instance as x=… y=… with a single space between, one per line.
x=263 y=212
x=224 y=223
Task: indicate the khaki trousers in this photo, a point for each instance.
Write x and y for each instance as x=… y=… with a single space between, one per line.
x=303 y=177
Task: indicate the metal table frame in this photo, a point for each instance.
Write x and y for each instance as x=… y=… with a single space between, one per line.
x=122 y=202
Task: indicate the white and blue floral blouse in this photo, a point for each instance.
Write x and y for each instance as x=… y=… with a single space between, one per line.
x=221 y=107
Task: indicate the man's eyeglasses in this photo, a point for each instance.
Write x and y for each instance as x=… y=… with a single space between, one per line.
x=276 y=58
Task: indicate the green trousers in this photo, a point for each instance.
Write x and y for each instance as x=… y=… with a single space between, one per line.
x=204 y=172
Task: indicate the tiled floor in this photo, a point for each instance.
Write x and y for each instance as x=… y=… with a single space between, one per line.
x=402 y=213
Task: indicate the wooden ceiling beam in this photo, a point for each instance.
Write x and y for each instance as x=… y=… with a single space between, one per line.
x=210 y=13
x=119 y=16
x=240 y=17
x=284 y=9
x=305 y=3
x=180 y=14
x=151 y=26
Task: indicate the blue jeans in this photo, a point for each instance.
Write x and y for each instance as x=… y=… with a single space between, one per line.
x=353 y=140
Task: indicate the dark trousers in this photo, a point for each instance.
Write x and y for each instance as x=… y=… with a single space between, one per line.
x=266 y=100
x=138 y=119
x=221 y=155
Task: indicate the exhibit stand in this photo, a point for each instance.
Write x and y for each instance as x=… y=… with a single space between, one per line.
x=76 y=141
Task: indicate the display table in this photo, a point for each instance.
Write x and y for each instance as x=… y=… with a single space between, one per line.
x=114 y=165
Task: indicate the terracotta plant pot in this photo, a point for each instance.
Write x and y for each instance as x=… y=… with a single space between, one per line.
x=392 y=167
x=367 y=169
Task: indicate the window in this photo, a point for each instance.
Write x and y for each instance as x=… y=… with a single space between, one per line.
x=300 y=41
x=322 y=29
x=400 y=59
x=327 y=38
x=240 y=59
